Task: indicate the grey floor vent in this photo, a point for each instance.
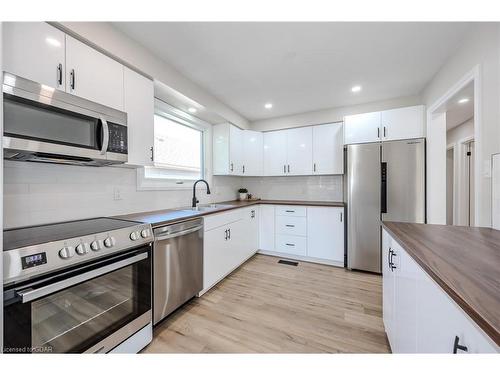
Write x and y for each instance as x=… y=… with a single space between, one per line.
x=288 y=262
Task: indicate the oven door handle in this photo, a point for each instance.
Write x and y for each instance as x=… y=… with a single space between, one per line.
x=105 y=139
x=28 y=295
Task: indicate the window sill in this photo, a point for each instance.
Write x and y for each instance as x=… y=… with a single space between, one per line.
x=158 y=184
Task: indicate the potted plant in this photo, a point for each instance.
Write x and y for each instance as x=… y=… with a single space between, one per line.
x=243 y=193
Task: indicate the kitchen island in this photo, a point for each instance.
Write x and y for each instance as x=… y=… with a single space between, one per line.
x=441 y=287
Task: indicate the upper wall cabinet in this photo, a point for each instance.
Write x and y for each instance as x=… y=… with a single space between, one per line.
x=139 y=105
x=227 y=150
x=394 y=124
x=92 y=75
x=252 y=153
x=288 y=152
x=403 y=123
x=36 y=51
x=328 y=150
x=44 y=54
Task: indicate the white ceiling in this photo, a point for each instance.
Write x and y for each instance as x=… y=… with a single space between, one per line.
x=457 y=113
x=301 y=67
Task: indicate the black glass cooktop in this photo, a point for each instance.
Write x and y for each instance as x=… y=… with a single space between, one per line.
x=28 y=236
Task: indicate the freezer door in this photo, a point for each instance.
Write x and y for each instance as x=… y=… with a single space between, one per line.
x=404 y=162
x=363 y=207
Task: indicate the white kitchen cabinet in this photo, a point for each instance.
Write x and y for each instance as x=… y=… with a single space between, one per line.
x=93 y=75
x=251 y=230
x=295 y=226
x=362 y=128
x=402 y=123
x=291 y=245
x=253 y=153
x=328 y=149
x=217 y=256
x=266 y=227
x=299 y=151
x=325 y=233
x=419 y=317
x=227 y=150
x=388 y=289
x=139 y=105
x=36 y=51
x=275 y=153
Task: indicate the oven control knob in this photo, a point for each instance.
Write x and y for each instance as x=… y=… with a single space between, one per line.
x=109 y=242
x=134 y=236
x=66 y=252
x=145 y=233
x=95 y=246
x=82 y=249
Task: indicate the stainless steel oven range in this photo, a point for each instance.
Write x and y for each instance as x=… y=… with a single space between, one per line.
x=79 y=286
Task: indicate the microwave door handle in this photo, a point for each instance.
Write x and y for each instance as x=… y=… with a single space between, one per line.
x=105 y=139
x=31 y=294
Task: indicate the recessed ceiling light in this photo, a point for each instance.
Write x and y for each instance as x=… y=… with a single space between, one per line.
x=356 y=88
x=192 y=110
x=53 y=42
x=268 y=105
x=463 y=100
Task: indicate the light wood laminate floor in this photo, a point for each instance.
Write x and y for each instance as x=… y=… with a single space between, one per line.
x=267 y=307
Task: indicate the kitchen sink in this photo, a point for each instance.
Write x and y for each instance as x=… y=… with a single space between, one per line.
x=211 y=207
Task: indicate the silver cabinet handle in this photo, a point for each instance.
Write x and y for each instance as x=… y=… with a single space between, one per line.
x=289 y=211
x=152 y=153
x=105 y=140
x=232 y=167
x=341 y=217
x=314 y=167
x=32 y=294
x=284 y=168
x=288 y=168
x=290 y=244
x=290 y=226
x=384 y=131
x=243 y=169
x=378 y=132
x=229 y=233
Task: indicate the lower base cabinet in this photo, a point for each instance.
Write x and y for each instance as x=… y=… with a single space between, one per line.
x=230 y=238
x=419 y=317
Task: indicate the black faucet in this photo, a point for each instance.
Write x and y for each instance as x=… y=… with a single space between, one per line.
x=195 y=201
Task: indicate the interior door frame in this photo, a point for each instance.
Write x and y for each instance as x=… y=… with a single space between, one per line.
x=474 y=75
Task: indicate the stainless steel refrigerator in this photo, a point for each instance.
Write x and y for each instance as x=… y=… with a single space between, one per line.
x=385 y=181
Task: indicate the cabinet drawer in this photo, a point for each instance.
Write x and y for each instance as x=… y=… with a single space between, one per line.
x=291 y=244
x=293 y=225
x=223 y=218
x=291 y=211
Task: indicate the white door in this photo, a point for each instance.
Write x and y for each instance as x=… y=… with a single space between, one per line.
x=403 y=123
x=266 y=227
x=362 y=128
x=275 y=153
x=328 y=149
x=299 y=151
x=253 y=153
x=325 y=233
x=92 y=75
x=388 y=290
x=253 y=229
x=139 y=105
x=36 y=51
x=235 y=151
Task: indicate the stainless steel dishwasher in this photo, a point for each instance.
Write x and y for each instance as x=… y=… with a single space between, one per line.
x=178 y=266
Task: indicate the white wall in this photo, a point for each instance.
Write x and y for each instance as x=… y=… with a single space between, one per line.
x=481 y=47
x=334 y=114
x=311 y=188
x=115 y=43
x=460 y=132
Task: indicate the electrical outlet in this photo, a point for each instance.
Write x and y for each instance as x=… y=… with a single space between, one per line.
x=117 y=194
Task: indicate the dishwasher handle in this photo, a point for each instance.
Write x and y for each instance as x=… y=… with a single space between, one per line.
x=179 y=233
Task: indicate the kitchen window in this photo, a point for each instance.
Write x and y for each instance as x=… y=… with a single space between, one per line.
x=179 y=151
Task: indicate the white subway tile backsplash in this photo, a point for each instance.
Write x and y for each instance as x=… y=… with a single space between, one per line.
x=37 y=193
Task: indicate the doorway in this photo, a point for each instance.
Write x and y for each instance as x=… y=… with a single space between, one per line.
x=451 y=156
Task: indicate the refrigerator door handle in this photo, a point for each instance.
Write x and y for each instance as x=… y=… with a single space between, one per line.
x=383 y=188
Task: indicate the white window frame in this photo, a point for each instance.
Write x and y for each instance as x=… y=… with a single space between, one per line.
x=183 y=118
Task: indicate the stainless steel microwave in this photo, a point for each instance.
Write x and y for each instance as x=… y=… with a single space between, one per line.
x=43 y=124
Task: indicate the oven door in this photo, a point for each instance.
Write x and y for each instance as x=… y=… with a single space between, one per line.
x=90 y=309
